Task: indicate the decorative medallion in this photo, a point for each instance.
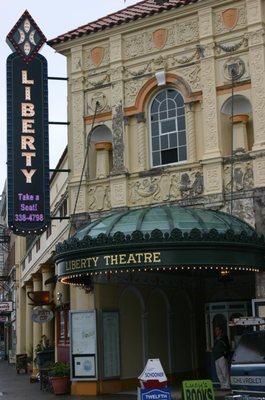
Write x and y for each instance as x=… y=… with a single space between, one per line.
x=230 y=18
x=97 y=54
x=160 y=38
x=235 y=65
x=25 y=37
x=100 y=100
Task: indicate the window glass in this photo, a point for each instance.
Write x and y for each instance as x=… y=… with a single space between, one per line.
x=164 y=142
x=182 y=138
x=182 y=153
x=168 y=128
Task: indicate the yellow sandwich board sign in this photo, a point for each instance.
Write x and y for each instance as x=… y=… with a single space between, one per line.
x=197 y=390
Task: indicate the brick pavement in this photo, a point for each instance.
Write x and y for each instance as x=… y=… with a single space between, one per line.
x=18 y=387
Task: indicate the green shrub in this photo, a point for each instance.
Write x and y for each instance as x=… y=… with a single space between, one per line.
x=60 y=369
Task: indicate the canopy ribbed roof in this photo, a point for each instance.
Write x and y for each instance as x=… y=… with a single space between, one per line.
x=165 y=218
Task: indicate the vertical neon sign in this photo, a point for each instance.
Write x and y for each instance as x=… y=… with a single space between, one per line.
x=27 y=129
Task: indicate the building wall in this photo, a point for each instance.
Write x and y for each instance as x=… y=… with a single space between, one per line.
x=195 y=53
x=194 y=46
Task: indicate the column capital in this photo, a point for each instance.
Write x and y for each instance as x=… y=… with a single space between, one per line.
x=36 y=277
x=45 y=268
x=28 y=285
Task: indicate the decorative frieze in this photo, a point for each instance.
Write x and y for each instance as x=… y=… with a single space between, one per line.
x=166 y=187
x=91 y=82
x=229 y=47
x=145 y=42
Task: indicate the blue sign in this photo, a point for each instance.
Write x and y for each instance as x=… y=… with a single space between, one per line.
x=155 y=394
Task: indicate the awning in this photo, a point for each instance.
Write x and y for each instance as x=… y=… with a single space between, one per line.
x=161 y=238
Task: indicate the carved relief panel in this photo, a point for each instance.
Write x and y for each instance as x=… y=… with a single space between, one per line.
x=100 y=96
x=164 y=37
x=242 y=177
x=228 y=19
x=132 y=88
x=166 y=187
x=99 y=197
x=96 y=56
x=223 y=76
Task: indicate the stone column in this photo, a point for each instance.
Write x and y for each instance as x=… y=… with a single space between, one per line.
x=37 y=329
x=29 y=323
x=103 y=159
x=240 y=139
x=48 y=327
x=190 y=129
x=257 y=65
x=212 y=162
x=141 y=141
x=20 y=319
x=76 y=131
x=117 y=100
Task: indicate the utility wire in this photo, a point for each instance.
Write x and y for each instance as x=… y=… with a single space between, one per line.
x=84 y=165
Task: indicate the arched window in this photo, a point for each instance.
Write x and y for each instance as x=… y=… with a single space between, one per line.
x=168 y=128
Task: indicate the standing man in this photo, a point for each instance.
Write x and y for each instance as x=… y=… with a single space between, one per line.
x=221 y=352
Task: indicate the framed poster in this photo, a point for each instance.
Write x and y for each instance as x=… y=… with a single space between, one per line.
x=84 y=366
x=111 y=344
x=83 y=340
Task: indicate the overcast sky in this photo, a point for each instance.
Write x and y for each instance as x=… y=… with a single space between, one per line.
x=54 y=17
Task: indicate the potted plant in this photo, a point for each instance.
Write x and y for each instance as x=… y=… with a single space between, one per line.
x=60 y=377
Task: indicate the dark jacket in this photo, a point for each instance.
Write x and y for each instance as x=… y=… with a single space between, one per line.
x=221 y=348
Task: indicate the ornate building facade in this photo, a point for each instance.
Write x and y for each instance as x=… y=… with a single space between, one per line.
x=166 y=106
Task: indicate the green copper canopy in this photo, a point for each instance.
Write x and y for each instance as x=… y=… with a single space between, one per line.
x=165 y=218
x=160 y=238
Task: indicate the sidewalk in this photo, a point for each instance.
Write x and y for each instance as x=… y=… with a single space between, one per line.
x=17 y=387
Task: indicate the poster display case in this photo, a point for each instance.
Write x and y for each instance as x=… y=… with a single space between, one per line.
x=83 y=344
